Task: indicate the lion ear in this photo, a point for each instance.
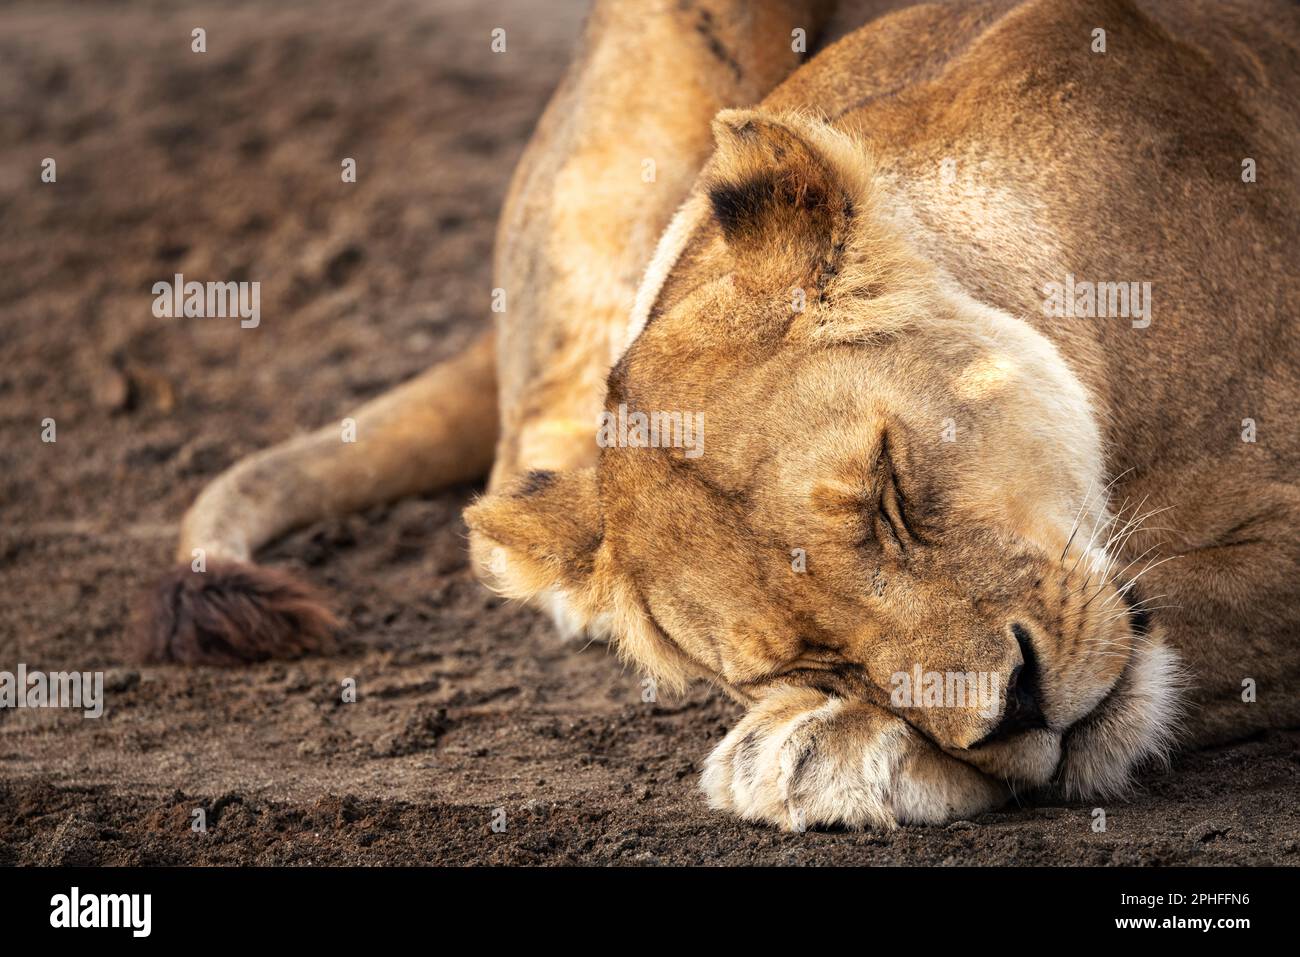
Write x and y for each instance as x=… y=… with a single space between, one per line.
x=543 y=532
x=782 y=204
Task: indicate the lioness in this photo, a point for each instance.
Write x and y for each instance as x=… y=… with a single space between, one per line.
x=987 y=310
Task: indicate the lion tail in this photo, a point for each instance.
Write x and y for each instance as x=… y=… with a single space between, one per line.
x=219 y=607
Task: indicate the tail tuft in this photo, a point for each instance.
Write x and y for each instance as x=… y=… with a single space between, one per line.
x=233 y=614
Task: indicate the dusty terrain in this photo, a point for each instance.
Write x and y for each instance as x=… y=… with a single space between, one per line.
x=225 y=165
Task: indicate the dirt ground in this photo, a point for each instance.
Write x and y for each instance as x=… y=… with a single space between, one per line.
x=225 y=165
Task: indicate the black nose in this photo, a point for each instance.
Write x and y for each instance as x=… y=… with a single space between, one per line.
x=1024 y=703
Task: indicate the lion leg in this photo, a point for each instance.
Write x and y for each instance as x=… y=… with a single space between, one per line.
x=612 y=158
x=216 y=607
x=801 y=758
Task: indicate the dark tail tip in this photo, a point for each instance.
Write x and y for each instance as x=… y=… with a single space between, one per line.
x=232 y=614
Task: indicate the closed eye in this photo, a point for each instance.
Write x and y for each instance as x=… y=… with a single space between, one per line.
x=880 y=506
x=890 y=522
x=891 y=506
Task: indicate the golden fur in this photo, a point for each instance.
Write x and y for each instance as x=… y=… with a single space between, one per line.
x=910 y=465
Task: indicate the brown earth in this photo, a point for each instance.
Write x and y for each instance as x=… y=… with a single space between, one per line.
x=225 y=165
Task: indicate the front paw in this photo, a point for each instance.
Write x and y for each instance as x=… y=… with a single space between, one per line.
x=802 y=759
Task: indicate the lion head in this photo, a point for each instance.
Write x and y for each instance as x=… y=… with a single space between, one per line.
x=885 y=481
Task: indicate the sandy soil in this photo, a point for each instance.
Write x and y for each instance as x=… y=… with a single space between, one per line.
x=226 y=165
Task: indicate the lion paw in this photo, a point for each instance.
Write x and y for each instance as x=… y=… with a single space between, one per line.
x=801 y=759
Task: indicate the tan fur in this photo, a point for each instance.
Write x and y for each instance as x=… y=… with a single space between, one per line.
x=921 y=307
x=907 y=462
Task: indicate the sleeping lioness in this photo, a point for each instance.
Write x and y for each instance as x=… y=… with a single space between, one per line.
x=986 y=315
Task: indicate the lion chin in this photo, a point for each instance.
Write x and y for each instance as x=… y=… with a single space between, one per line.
x=1135 y=724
